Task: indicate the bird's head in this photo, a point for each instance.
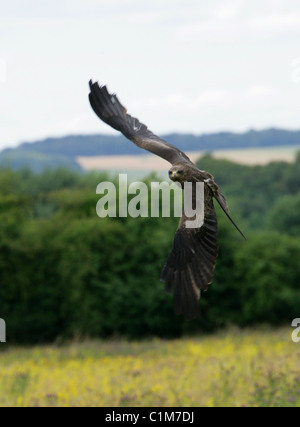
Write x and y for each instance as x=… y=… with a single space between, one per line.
x=176 y=173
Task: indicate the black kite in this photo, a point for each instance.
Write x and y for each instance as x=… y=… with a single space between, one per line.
x=190 y=266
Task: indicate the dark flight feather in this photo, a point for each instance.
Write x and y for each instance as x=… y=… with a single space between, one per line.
x=197 y=250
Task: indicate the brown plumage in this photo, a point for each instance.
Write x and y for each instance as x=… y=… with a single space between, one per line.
x=190 y=266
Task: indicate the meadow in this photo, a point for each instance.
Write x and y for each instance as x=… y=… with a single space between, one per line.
x=234 y=368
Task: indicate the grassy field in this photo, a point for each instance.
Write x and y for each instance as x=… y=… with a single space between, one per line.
x=229 y=369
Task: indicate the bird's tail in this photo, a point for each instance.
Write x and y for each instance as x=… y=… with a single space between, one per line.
x=222 y=202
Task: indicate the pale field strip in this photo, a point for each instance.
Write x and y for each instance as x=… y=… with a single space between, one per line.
x=248 y=156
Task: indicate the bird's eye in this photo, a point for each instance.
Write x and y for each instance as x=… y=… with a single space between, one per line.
x=179 y=172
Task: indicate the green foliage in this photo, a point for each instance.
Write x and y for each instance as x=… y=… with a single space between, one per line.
x=268 y=277
x=66 y=273
x=285 y=215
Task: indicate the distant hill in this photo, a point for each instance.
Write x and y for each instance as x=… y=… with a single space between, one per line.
x=36 y=161
x=53 y=152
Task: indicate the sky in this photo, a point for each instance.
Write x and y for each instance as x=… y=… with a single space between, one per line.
x=188 y=66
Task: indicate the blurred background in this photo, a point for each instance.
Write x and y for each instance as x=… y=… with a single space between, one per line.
x=220 y=80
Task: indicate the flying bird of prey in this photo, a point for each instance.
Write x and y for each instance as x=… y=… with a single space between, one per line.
x=190 y=266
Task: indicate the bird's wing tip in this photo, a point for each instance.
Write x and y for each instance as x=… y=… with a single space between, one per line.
x=92 y=83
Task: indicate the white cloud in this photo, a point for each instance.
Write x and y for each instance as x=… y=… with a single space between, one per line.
x=202 y=30
x=136 y=18
x=275 y=22
x=258 y=93
x=184 y=102
x=208 y=110
x=228 y=11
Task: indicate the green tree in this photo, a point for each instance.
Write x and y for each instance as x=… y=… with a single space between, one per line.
x=267 y=277
x=285 y=215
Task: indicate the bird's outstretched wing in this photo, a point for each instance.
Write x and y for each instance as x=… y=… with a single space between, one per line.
x=190 y=266
x=109 y=109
